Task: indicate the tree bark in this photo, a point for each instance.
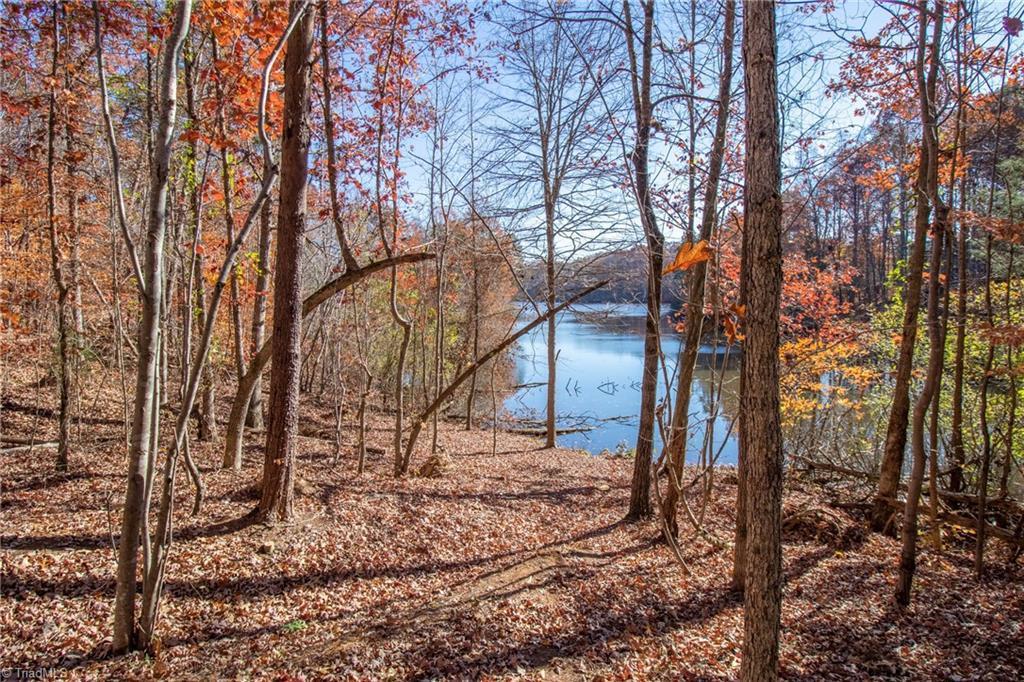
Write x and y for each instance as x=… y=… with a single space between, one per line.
x=899 y=414
x=279 y=457
x=227 y=176
x=698 y=275
x=254 y=415
x=57 y=261
x=640 y=70
x=761 y=271
x=927 y=192
x=151 y=283
x=908 y=560
x=986 y=434
x=956 y=435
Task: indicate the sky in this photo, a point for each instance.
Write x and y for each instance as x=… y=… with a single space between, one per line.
x=811 y=50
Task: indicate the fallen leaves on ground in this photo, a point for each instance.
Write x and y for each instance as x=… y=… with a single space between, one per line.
x=506 y=566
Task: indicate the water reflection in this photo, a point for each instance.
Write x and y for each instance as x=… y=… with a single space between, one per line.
x=600 y=360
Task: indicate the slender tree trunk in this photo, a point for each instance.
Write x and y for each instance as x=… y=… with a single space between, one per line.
x=896 y=432
x=908 y=554
x=194 y=182
x=552 y=348
x=1011 y=420
x=254 y=415
x=986 y=436
x=475 y=332
x=57 y=265
x=928 y=192
x=956 y=435
x=640 y=70
x=279 y=458
x=227 y=177
x=983 y=426
x=936 y=405
x=144 y=418
x=332 y=163
x=698 y=276
x=761 y=270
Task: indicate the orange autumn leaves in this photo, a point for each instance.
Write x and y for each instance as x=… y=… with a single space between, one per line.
x=690 y=254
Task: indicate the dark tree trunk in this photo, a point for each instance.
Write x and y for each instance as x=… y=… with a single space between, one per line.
x=695 y=303
x=908 y=554
x=640 y=491
x=983 y=426
x=549 y=271
x=761 y=272
x=57 y=262
x=279 y=457
x=896 y=431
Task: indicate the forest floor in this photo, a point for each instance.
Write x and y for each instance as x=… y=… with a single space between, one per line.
x=509 y=566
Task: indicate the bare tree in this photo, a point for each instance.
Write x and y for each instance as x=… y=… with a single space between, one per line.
x=676 y=448
x=551 y=138
x=926 y=54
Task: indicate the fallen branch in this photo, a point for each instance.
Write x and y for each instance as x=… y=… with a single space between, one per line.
x=246 y=385
x=19 y=448
x=1007 y=536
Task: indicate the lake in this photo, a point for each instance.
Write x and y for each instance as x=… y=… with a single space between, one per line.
x=600 y=361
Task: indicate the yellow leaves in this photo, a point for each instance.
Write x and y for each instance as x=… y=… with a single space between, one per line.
x=817 y=376
x=689 y=255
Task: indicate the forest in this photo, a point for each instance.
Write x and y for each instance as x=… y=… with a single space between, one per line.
x=519 y=340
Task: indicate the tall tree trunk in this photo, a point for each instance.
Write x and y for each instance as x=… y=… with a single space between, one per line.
x=956 y=435
x=899 y=414
x=908 y=554
x=227 y=177
x=927 y=192
x=332 y=163
x=552 y=347
x=207 y=412
x=279 y=458
x=761 y=271
x=143 y=435
x=698 y=276
x=936 y=405
x=983 y=426
x=475 y=331
x=57 y=265
x=640 y=70
x=1011 y=420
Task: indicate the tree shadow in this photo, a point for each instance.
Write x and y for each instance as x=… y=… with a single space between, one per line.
x=99 y=541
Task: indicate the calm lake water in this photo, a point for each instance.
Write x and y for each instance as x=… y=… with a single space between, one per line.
x=600 y=361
